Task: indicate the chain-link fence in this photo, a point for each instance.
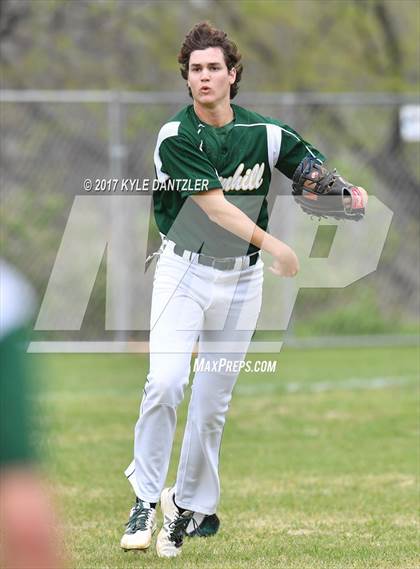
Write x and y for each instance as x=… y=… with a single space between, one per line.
x=52 y=141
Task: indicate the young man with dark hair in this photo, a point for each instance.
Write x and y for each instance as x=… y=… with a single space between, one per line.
x=208 y=281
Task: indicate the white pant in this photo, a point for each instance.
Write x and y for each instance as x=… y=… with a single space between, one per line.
x=220 y=309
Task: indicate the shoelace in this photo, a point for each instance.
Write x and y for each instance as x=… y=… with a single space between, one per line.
x=138 y=519
x=178 y=527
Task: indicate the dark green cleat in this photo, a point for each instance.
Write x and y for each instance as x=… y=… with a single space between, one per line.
x=207 y=527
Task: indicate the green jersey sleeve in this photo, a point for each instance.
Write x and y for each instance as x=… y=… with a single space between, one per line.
x=293 y=150
x=181 y=160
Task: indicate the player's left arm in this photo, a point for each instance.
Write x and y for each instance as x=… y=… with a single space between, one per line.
x=325 y=193
x=318 y=190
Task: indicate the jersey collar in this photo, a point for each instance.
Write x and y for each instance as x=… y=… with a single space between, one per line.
x=201 y=124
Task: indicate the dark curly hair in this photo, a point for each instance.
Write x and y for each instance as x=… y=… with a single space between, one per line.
x=202 y=36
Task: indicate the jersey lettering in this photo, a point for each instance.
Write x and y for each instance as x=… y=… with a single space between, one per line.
x=251 y=180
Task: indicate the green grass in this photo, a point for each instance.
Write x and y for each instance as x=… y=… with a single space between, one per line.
x=318 y=465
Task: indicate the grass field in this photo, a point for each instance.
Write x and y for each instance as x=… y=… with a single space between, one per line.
x=318 y=466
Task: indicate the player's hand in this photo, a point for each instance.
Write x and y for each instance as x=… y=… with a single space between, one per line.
x=285 y=262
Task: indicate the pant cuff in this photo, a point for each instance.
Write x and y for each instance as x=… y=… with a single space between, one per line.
x=146 y=499
x=195 y=507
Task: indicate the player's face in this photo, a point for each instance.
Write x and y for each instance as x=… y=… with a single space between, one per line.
x=208 y=76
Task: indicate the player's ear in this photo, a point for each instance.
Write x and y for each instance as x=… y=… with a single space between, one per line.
x=232 y=75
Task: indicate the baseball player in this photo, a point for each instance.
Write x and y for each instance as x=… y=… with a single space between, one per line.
x=27 y=520
x=214 y=160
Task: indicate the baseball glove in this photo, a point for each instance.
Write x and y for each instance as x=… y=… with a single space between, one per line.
x=322 y=193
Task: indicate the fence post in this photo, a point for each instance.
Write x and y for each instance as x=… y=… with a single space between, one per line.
x=117 y=279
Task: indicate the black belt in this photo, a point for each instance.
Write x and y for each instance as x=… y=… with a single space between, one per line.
x=226 y=264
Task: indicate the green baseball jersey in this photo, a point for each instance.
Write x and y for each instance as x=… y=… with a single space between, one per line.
x=192 y=156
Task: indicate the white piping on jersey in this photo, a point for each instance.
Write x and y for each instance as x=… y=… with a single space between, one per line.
x=253 y=124
x=285 y=130
x=169 y=129
x=274 y=138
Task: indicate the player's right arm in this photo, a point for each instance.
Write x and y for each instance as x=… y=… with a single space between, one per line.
x=178 y=158
x=219 y=210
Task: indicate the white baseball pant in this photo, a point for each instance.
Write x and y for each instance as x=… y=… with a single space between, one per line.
x=219 y=309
